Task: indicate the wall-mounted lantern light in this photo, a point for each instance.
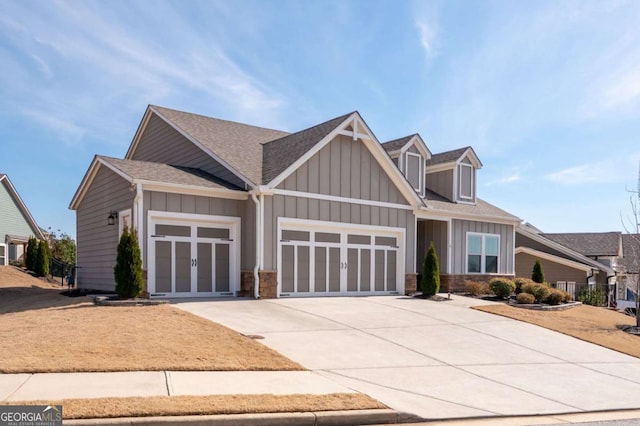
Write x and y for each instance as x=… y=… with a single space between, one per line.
x=113 y=217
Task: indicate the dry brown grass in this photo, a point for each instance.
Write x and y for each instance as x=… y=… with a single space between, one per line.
x=203 y=405
x=588 y=323
x=42 y=331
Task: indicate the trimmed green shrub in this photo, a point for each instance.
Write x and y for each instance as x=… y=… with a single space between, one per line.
x=41 y=266
x=537 y=274
x=502 y=287
x=430 y=282
x=537 y=290
x=32 y=252
x=555 y=296
x=128 y=270
x=476 y=288
x=519 y=282
x=594 y=296
x=525 y=299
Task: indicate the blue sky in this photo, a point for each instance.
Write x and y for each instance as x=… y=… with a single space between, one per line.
x=547 y=92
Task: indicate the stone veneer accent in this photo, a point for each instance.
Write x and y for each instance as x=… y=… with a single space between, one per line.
x=410 y=283
x=456 y=283
x=268 y=284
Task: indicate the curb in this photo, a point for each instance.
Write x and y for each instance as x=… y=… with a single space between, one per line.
x=318 y=418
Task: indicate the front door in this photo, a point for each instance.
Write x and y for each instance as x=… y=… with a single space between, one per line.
x=193 y=258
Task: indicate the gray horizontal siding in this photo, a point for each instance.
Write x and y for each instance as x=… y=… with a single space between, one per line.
x=12 y=221
x=303 y=208
x=161 y=143
x=97 y=241
x=441 y=183
x=344 y=168
x=181 y=203
x=459 y=243
x=553 y=271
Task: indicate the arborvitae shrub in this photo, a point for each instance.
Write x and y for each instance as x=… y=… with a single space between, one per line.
x=502 y=287
x=41 y=267
x=32 y=252
x=537 y=275
x=128 y=270
x=430 y=273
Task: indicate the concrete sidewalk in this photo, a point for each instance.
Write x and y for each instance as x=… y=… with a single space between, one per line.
x=52 y=386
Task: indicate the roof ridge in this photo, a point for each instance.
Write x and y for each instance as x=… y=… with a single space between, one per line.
x=219 y=119
x=400 y=138
x=309 y=128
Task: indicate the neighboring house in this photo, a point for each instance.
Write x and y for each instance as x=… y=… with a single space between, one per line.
x=629 y=269
x=16 y=223
x=563 y=266
x=225 y=208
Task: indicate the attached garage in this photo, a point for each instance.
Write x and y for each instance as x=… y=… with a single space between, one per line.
x=193 y=255
x=337 y=259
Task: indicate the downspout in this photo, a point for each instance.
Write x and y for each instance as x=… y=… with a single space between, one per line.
x=613 y=299
x=256 y=268
x=137 y=219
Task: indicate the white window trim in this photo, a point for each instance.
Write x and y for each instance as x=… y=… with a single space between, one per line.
x=4 y=260
x=482 y=254
x=121 y=215
x=460 y=195
x=421 y=174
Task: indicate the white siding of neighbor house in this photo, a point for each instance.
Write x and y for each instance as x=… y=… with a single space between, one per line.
x=459 y=244
x=161 y=143
x=12 y=221
x=97 y=241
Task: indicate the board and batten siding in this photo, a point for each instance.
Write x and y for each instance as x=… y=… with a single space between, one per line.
x=344 y=168
x=441 y=183
x=161 y=143
x=12 y=221
x=459 y=244
x=428 y=231
x=553 y=272
x=97 y=241
x=195 y=204
x=332 y=211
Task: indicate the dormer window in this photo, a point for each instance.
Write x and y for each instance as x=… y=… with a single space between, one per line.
x=414 y=171
x=466 y=184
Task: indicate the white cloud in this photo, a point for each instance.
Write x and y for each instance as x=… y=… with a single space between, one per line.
x=427 y=38
x=65 y=129
x=504 y=180
x=596 y=173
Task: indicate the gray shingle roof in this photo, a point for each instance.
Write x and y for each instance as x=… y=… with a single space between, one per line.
x=481 y=208
x=589 y=243
x=281 y=153
x=631 y=252
x=235 y=143
x=165 y=173
x=396 y=144
x=447 y=156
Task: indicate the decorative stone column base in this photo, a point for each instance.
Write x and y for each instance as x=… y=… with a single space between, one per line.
x=268 y=284
x=410 y=283
x=246 y=284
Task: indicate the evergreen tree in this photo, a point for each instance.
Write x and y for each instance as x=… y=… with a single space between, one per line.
x=430 y=282
x=537 y=275
x=32 y=250
x=128 y=270
x=41 y=266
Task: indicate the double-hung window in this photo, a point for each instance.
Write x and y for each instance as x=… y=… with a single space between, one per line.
x=483 y=252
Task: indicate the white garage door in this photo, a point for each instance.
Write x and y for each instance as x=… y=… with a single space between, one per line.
x=318 y=259
x=193 y=255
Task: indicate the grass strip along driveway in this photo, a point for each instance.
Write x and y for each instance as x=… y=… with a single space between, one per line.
x=211 y=404
x=589 y=323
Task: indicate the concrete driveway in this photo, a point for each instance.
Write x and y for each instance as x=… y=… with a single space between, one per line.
x=436 y=359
